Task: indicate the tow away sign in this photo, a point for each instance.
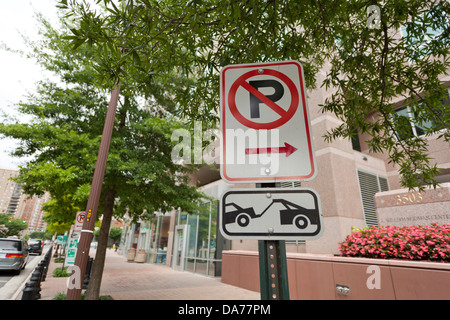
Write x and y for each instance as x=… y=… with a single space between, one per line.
x=271 y=214
x=265 y=126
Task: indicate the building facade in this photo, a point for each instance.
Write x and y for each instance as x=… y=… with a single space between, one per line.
x=32 y=213
x=348 y=180
x=11 y=197
x=357 y=188
x=20 y=206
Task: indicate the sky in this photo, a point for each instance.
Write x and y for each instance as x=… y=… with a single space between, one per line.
x=18 y=74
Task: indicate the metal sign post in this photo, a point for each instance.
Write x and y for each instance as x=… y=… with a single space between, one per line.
x=271 y=215
x=273 y=274
x=273 y=270
x=259 y=100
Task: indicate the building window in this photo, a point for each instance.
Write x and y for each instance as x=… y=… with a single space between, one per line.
x=369 y=184
x=202 y=254
x=356 y=145
x=408 y=124
x=430 y=28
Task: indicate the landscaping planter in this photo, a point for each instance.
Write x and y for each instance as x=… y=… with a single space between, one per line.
x=314 y=276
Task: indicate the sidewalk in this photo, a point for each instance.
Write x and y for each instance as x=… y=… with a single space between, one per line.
x=123 y=280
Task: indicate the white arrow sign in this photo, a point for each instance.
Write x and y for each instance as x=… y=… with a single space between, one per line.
x=265 y=125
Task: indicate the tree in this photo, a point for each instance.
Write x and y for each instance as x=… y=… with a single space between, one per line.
x=368 y=62
x=64 y=133
x=115 y=233
x=41 y=235
x=9 y=226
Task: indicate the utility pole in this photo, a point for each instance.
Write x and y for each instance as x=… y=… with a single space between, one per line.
x=87 y=232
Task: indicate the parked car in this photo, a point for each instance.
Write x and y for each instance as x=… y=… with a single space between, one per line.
x=35 y=246
x=13 y=254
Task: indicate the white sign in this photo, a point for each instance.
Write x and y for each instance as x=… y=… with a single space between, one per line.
x=61 y=240
x=72 y=248
x=79 y=219
x=271 y=214
x=266 y=132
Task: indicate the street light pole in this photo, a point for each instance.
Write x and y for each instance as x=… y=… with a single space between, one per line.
x=82 y=256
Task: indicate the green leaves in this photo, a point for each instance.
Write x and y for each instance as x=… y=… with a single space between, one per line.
x=66 y=119
x=170 y=53
x=10 y=228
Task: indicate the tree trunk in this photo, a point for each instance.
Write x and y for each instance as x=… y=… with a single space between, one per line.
x=95 y=281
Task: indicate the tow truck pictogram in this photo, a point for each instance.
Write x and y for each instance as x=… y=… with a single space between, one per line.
x=290 y=214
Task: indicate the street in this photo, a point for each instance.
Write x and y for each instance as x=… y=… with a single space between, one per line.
x=5 y=276
x=10 y=283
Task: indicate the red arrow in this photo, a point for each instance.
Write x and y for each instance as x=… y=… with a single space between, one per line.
x=288 y=149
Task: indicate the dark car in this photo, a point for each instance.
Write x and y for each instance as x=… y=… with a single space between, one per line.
x=13 y=254
x=35 y=246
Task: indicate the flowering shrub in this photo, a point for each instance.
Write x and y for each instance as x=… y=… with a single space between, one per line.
x=3 y=231
x=391 y=242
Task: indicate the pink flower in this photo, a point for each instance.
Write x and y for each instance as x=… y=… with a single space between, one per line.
x=416 y=242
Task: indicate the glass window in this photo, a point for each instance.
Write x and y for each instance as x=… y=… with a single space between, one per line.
x=189 y=265
x=408 y=123
x=203 y=231
x=402 y=123
x=428 y=27
x=201 y=247
x=159 y=236
x=213 y=231
x=192 y=221
x=10 y=245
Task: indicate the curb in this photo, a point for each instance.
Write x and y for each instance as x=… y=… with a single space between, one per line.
x=33 y=265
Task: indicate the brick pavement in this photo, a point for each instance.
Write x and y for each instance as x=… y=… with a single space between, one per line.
x=123 y=280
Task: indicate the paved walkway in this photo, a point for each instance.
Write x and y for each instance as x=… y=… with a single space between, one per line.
x=123 y=280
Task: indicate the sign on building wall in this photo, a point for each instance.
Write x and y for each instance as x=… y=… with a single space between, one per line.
x=408 y=208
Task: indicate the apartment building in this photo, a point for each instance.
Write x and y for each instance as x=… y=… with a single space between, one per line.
x=11 y=197
x=20 y=206
x=33 y=214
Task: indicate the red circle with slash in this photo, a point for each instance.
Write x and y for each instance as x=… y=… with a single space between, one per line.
x=285 y=115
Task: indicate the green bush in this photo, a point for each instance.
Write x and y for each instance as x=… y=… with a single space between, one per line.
x=60 y=296
x=63 y=296
x=61 y=272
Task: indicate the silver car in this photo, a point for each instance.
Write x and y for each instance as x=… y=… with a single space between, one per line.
x=13 y=254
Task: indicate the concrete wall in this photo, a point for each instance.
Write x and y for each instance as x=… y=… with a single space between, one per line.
x=317 y=277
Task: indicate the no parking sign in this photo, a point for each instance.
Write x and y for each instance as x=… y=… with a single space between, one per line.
x=265 y=124
x=79 y=220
